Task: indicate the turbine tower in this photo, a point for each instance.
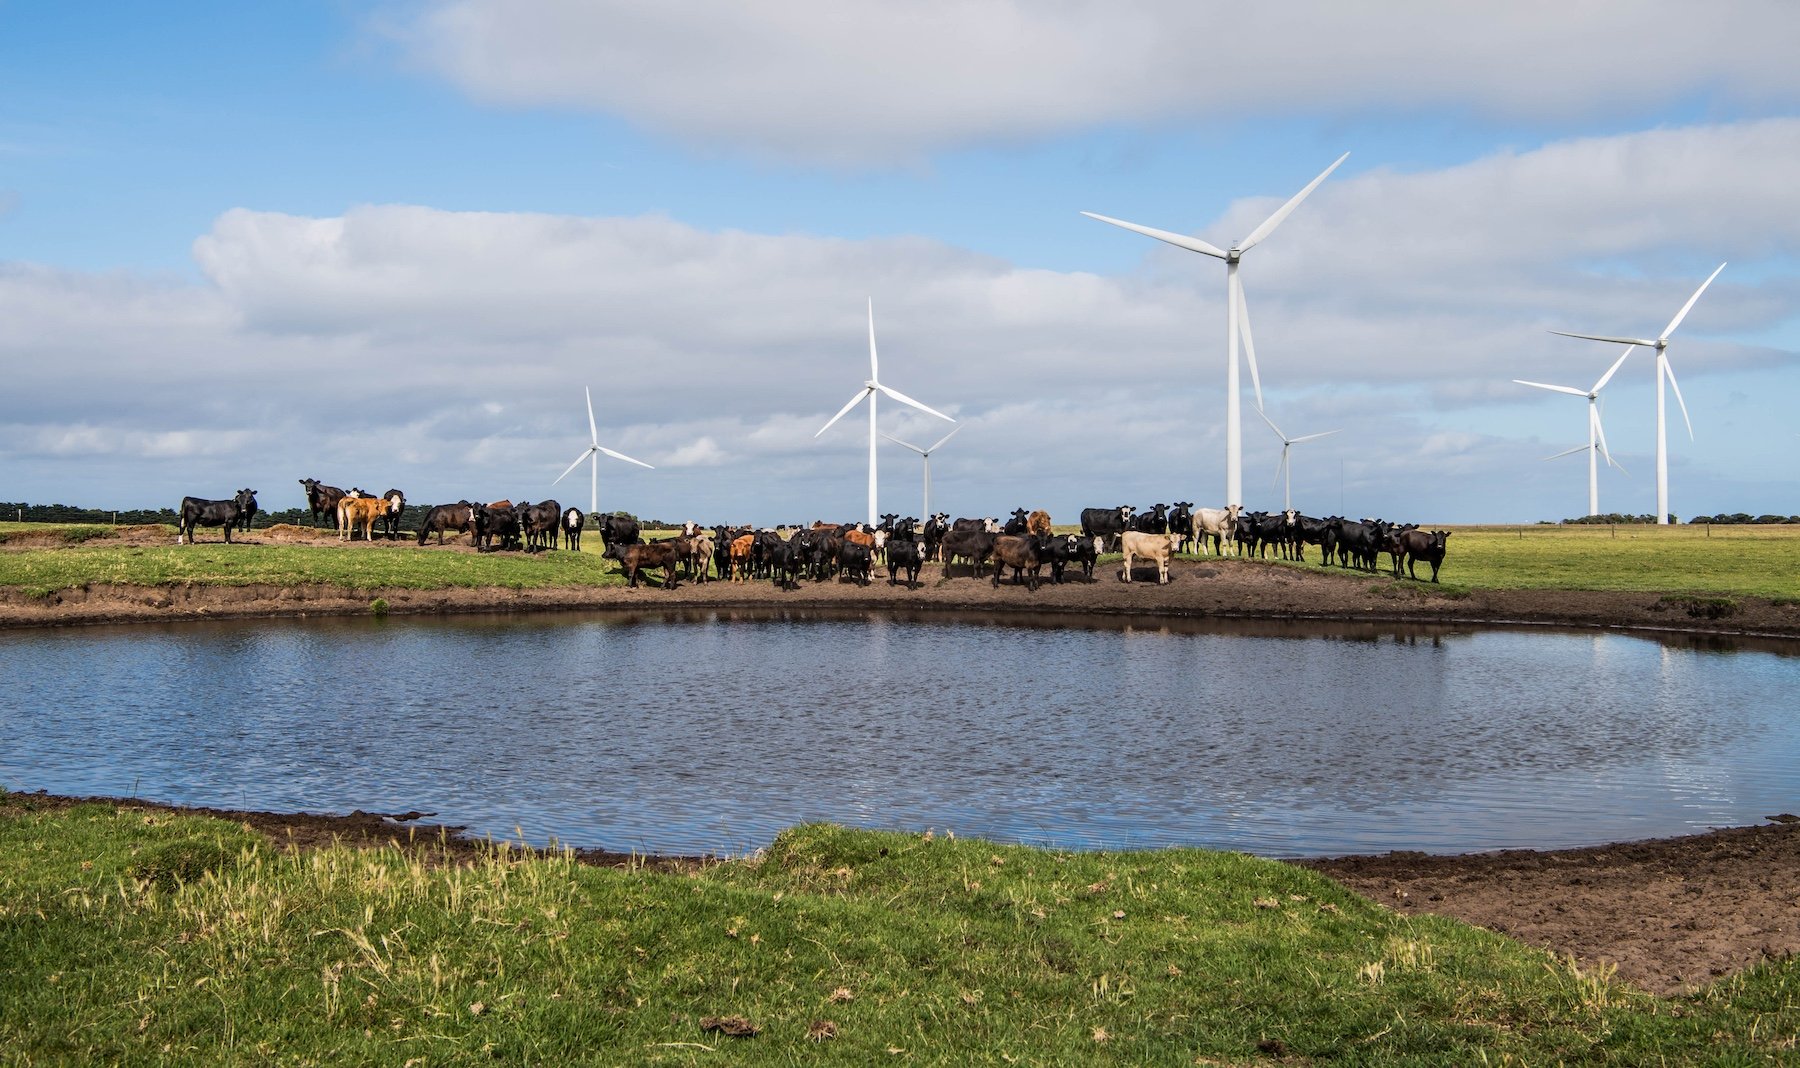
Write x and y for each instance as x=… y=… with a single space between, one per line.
x=1284 y=468
x=592 y=454
x=1663 y=371
x=925 y=454
x=1234 y=309
x=1596 y=445
x=868 y=390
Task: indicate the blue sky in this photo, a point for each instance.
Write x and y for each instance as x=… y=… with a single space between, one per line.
x=242 y=244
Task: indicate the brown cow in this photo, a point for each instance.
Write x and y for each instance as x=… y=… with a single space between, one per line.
x=667 y=555
x=364 y=512
x=1038 y=523
x=740 y=557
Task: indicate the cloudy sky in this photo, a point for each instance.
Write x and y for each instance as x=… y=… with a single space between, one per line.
x=388 y=244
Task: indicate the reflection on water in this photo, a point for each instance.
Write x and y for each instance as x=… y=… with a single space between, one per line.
x=710 y=730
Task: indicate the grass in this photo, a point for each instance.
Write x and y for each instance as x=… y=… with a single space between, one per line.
x=137 y=938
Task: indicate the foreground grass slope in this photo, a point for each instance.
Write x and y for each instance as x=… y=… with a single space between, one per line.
x=134 y=938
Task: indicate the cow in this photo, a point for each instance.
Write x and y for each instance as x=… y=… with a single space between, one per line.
x=1038 y=523
x=322 y=499
x=390 y=516
x=458 y=518
x=1153 y=520
x=854 y=561
x=741 y=564
x=1107 y=523
x=572 y=522
x=246 y=515
x=499 y=520
x=1426 y=545
x=905 y=554
x=355 y=512
x=634 y=558
x=1017 y=524
x=1153 y=547
x=971 y=545
x=936 y=526
x=1181 y=521
x=540 y=522
x=784 y=559
x=620 y=529
x=197 y=512
x=1061 y=550
x=1019 y=552
x=1215 y=524
x=700 y=554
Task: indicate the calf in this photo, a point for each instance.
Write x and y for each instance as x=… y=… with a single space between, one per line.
x=198 y=512
x=854 y=560
x=363 y=512
x=1019 y=552
x=1153 y=547
x=633 y=559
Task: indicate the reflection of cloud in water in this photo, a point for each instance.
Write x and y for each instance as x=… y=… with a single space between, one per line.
x=710 y=730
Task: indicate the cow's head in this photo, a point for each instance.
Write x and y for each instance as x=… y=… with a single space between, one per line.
x=246 y=500
x=1232 y=511
x=1126 y=511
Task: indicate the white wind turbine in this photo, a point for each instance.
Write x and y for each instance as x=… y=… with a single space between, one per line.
x=925 y=454
x=1596 y=433
x=592 y=454
x=1663 y=371
x=1234 y=309
x=1284 y=468
x=868 y=390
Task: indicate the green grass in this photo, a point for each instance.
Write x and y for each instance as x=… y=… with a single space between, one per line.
x=906 y=949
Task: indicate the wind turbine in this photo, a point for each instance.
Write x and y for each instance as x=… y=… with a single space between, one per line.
x=925 y=454
x=1234 y=309
x=1663 y=371
x=1284 y=468
x=592 y=453
x=868 y=390
x=1596 y=433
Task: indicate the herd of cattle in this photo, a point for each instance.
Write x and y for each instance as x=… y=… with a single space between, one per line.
x=1025 y=543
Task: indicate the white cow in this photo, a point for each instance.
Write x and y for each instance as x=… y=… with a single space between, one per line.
x=1219 y=524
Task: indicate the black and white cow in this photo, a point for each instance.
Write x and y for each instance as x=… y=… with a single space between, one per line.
x=572 y=522
x=1106 y=523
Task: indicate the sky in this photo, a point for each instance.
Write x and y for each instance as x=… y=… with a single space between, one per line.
x=388 y=244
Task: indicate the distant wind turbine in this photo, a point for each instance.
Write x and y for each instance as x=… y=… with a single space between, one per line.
x=868 y=390
x=1285 y=469
x=1596 y=445
x=925 y=454
x=1663 y=371
x=592 y=454
x=1234 y=309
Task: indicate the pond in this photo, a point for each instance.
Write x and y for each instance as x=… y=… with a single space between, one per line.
x=709 y=731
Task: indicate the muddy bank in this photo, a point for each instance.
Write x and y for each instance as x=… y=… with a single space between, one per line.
x=1669 y=914
x=1223 y=589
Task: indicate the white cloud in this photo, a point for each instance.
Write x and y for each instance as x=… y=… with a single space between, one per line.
x=861 y=82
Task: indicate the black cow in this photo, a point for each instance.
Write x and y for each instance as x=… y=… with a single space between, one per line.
x=905 y=554
x=1426 y=545
x=1181 y=522
x=785 y=560
x=971 y=545
x=1061 y=550
x=1017 y=524
x=572 y=522
x=618 y=529
x=540 y=522
x=497 y=522
x=1154 y=520
x=323 y=500
x=458 y=518
x=198 y=512
x=936 y=526
x=1106 y=523
x=854 y=562
x=390 y=518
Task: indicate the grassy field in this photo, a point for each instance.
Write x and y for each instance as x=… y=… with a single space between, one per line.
x=1759 y=561
x=139 y=938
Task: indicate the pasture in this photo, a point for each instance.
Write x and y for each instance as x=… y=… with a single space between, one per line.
x=138 y=937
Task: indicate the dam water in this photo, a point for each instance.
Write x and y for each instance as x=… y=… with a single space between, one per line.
x=709 y=731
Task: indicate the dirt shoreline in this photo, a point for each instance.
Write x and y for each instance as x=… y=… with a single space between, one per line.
x=1669 y=914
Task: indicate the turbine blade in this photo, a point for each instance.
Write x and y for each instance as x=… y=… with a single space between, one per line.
x=1571 y=390
x=1279 y=467
x=908 y=444
x=945 y=438
x=1689 y=306
x=585 y=453
x=622 y=456
x=1607 y=377
x=1614 y=340
x=1250 y=345
x=593 y=431
x=1192 y=244
x=1269 y=224
x=1272 y=426
x=1310 y=437
x=1567 y=452
x=873 y=372
x=1600 y=435
x=904 y=399
x=845 y=410
x=1669 y=370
